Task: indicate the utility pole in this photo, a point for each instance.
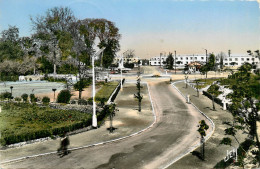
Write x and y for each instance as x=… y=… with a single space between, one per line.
x=175 y=60
x=94 y=115
x=206 y=55
x=229 y=52
x=121 y=65
x=160 y=60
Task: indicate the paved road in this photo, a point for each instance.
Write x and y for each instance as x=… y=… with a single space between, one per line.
x=173 y=133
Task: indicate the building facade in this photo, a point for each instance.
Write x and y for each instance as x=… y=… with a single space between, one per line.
x=182 y=60
x=128 y=59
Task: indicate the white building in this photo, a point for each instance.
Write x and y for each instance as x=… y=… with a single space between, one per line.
x=238 y=60
x=158 y=61
x=128 y=59
x=182 y=60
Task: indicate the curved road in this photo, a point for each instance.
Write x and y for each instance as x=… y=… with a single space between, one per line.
x=170 y=137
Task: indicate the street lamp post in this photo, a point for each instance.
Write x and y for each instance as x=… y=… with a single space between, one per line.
x=54 y=94
x=175 y=60
x=121 y=65
x=160 y=60
x=11 y=87
x=94 y=115
x=206 y=55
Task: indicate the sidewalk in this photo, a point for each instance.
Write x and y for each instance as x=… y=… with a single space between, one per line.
x=214 y=152
x=127 y=121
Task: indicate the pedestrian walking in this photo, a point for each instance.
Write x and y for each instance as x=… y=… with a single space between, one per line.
x=63 y=149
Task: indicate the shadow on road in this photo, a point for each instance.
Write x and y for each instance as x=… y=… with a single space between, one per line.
x=197 y=154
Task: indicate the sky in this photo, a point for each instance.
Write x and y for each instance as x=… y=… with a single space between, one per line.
x=153 y=26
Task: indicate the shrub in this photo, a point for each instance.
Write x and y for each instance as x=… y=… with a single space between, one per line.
x=83 y=102
x=18 y=99
x=33 y=98
x=6 y=95
x=46 y=100
x=64 y=96
x=73 y=102
x=24 y=97
x=90 y=100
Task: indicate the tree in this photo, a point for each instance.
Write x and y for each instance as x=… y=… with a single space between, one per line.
x=9 y=45
x=210 y=65
x=108 y=35
x=111 y=109
x=186 y=69
x=221 y=57
x=203 y=127
x=169 y=61
x=138 y=86
x=213 y=90
x=78 y=48
x=24 y=97
x=80 y=85
x=52 y=32
x=244 y=108
x=11 y=34
x=204 y=69
x=64 y=96
x=197 y=87
x=211 y=61
x=138 y=94
x=256 y=54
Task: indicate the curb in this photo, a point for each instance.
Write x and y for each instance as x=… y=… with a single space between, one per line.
x=92 y=145
x=192 y=148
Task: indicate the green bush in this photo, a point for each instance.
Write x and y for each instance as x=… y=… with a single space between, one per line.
x=90 y=100
x=18 y=99
x=64 y=96
x=46 y=100
x=33 y=98
x=6 y=95
x=24 y=97
x=83 y=102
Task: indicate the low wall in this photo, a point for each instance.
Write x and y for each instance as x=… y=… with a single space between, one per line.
x=114 y=94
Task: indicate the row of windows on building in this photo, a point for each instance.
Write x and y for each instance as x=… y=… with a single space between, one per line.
x=178 y=58
x=202 y=58
x=231 y=63
x=237 y=59
x=128 y=60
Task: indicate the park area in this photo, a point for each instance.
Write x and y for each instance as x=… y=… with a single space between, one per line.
x=25 y=120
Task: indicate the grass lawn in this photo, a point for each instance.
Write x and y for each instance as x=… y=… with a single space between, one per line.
x=106 y=90
x=23 y=121
x=205 y=82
